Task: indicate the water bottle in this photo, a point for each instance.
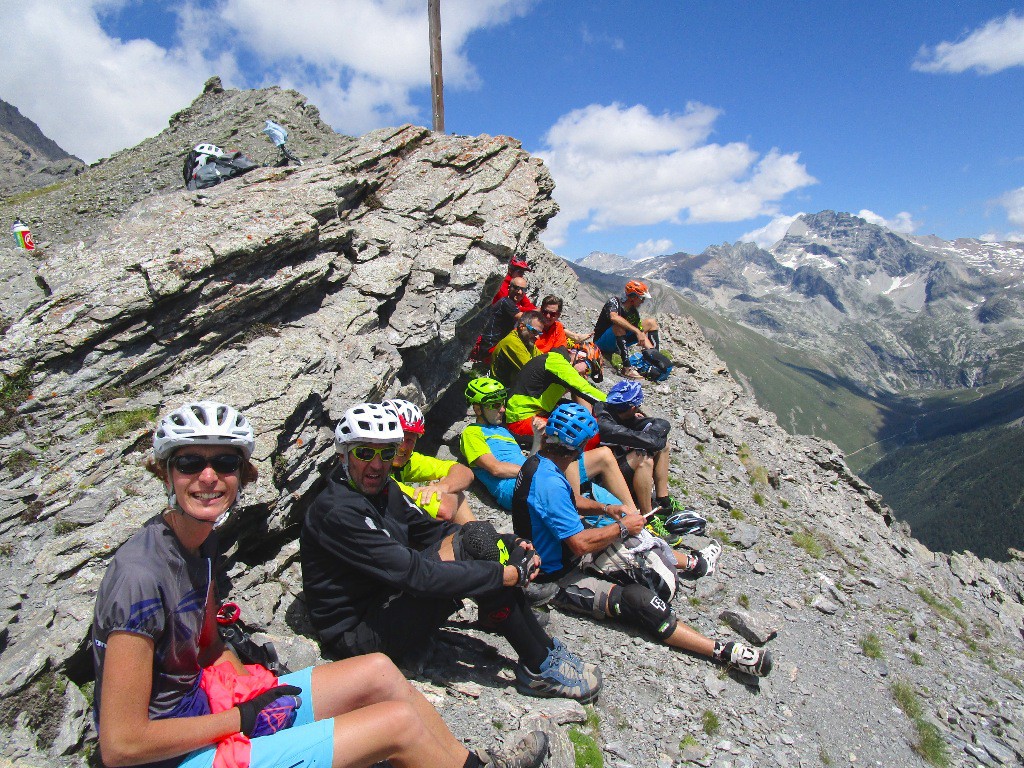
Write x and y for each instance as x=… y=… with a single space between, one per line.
x=22 y=236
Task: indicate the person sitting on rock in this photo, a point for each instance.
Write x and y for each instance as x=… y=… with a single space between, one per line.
x=543 y=508
x=379 y=574
x=164 y=676
x=500 y=318
x=495 y=457
x=516 y=349
x=517 y=267
x=540 y=386
x=640 y=444
x=436 y=485
x=619 y=325
x=555 y=334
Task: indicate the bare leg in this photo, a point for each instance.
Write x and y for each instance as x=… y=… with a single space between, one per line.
x=463 y=514
x=689 y=639
x=643 y=479
x=661 y=464
x=394 y=731
x=362 y=686
x=601 y=464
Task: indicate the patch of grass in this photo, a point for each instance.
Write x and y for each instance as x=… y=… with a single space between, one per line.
x=930 y=744
x=808 y=543
x=871 y=645
x=32 y=511
x=20 y=461
x=699 y=448
x=585 y=744
x=6 y=550
x=906 y=699
x=689 y=740
x=743 y=600
x=737 y=514
x=497 y=725
x=64 y=527
x=710 y=723
x=104 y=394
x=23 y=197
x=758 y=475
x=758 y=499
x=722 y=536
x=118 y=425
x=783 y=503
x=694 y=601
x=824 y=756
x=14 y=390
x=916 y=659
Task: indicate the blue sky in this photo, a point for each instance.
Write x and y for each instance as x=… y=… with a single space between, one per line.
x=668 y=126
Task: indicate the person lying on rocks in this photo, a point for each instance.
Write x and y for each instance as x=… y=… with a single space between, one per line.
x=590 y=565
x=619 y=325
x=517 y=348
x=168 y=692
x=555 y=334
x=541 y=385
x=379 y=574
x=496 y=459
x=436 y=485
x=500 y=319
x=517 y=267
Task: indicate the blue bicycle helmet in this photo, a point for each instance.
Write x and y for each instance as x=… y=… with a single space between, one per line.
x=625 y=393
x=571 y=425
x=683 y=523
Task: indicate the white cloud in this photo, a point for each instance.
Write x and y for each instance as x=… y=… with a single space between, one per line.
x=996 y=46
x=770 y=233
x=615 y=165
x=1013 y=203
x=902 y=222
x=359 y=61
x=650 y=248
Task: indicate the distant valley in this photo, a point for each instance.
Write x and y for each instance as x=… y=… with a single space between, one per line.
x=905 y=351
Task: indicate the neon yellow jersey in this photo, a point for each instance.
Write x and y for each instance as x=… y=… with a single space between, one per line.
x=422 y=469
x=431 y=508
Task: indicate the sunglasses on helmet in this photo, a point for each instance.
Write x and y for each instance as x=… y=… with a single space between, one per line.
x=367 y=452
x=193 y=463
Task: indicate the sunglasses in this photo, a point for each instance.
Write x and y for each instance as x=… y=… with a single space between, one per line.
x=497 y=403
x=193 y=464
x=549 y=313
x=533 y=331
x=516 y=289
x=366 y=452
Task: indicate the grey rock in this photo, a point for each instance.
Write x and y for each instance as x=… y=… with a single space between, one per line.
x=754 y=626
x=996 y=748
x=824 y=605
x=745 y=535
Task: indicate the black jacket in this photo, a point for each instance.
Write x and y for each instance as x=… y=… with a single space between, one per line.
x=645 y=434
x=357 y=552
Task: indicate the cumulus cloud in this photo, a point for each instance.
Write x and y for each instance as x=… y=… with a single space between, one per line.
x=359 y=61
x=993 y=47
x=615 y=165
x=1013 y=203
x=902 y=222
x=770 y=233
x=650 y=248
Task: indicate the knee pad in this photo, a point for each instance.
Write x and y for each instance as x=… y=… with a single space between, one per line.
x=588 y=595
x=642 y=607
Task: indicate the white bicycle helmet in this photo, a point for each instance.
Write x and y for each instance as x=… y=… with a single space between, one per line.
x=203 y=423
x=409 y=415
x=367 y=423
x=209 y=149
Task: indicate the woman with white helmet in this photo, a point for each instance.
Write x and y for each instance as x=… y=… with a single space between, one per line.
x=168 y=693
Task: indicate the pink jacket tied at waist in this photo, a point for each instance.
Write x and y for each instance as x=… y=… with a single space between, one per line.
x=225 y=688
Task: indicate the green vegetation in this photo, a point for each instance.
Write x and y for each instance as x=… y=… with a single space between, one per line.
x=783 y=503
x=743 y=600
x=737 y=514
x=14 y=390
x=807 y=541
x=871 y=646
x=117 y=425
x=916 y=660
x=700 y=448
x=64 y=527
x=689 y=740
x=758 y=475
x=824 y=756
x=930 y=745
x=24 y=197
x=585 y=744
x=722 y=536
x=6 y=550
x=20 y=461
x=710 y=722
x=758 y=499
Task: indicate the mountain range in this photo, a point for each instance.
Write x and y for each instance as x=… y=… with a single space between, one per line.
x=906 y=351
x=28 y=158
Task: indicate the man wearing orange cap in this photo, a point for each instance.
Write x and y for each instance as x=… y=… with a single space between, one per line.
x=619 y=325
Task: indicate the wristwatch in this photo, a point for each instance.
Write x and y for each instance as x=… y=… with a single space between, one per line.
x=623 y=531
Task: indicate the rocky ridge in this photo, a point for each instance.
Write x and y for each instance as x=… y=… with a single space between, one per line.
x=28 y=159
x=293 y=292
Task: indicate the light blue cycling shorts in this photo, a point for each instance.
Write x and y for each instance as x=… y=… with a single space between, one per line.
x=309 y=743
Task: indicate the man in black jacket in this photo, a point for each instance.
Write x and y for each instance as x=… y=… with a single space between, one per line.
x=380 y=574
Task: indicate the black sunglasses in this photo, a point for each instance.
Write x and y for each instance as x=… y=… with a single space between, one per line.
x=193 y=463
x=366 y=452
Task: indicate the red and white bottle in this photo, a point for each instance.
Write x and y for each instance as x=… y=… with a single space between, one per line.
x=22 y=236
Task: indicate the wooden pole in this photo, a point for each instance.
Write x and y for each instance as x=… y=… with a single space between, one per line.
x=436 y=78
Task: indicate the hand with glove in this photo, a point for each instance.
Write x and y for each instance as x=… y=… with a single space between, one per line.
x=269 y=712
x=518 y=555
